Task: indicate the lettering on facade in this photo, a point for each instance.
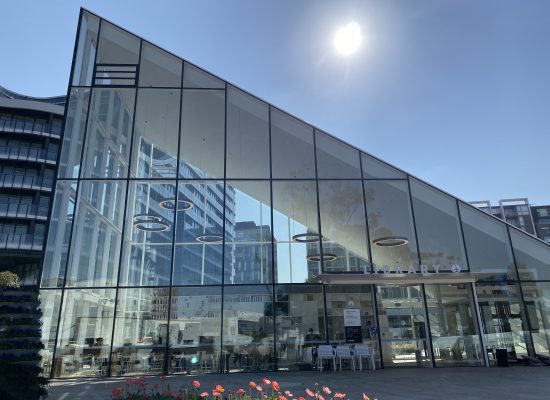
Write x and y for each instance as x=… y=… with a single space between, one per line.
x=411 y=269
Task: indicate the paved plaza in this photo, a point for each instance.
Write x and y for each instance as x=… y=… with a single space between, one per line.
x=526 y=383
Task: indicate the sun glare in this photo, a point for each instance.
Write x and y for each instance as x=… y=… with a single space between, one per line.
x=348 y=39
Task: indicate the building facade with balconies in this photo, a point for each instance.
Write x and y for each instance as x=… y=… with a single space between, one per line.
x=30 y=133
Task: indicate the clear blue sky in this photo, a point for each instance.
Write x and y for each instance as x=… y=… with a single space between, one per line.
x=456 y=92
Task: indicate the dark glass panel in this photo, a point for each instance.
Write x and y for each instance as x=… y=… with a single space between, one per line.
x=85 y=330
x=109 y=133
x=376 y=169
x=537 y=302
x=199 y=232
x=147 y=246
x=247 y=136
x=300 y=325
x=487 y=245
x=248 y=329
x=117 y=46
x=296 y=232
x=155 y=142
x=158 y=68
x=453 y=324
x=202 y=134
x=86 y=49
x=248 y=232
x=194 y=77
x=391 y=228
x=95 y=246
x=61 y=221
x=195 y=328
x=532 y=257
x=139 y=342
x=503 y=319
x=292 y=150
x=335 y=159
x=343 y=226
x=437 y=227
x=73 y=137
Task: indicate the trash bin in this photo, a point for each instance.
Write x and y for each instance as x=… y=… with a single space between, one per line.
x=502 y=357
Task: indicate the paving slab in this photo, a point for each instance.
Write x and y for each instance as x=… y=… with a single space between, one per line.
x=463 y=383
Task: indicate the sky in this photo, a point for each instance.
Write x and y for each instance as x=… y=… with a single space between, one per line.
x=455 y=92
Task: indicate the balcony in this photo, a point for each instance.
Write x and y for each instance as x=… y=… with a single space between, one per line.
x=27 y=127
x=28 y=154
x=26 y=182
x=12 y=241
x=24 y=211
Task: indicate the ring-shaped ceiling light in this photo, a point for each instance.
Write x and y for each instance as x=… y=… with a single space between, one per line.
x=326 y=257
x=209 y=239
x=150 y=223
x=305 y=237
x=170 y=204
x=390 y=241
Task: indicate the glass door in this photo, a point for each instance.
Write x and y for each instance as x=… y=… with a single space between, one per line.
x=402 y=325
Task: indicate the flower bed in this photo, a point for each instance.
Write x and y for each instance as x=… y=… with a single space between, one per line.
x=141 y=388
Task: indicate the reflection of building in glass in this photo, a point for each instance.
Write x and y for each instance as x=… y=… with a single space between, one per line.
x=30 y=131
x=218 y=233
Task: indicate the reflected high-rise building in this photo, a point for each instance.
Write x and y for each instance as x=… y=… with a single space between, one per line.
x=205 y=230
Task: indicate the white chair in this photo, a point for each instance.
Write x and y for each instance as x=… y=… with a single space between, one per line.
x=325 y=352
x=363 y=351
x=344 y=352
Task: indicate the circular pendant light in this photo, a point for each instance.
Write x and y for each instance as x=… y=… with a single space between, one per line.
x=170 y=204
x=305 y=237
x=390 y=241
x=150 y=223
x=326 y=257
x=209 y=239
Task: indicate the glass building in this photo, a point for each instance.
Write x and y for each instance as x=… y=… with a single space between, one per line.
x=197 y=228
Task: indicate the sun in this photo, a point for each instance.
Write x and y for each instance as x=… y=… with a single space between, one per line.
x=348 y=39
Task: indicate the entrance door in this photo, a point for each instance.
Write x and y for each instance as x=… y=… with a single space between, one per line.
x=402 y=324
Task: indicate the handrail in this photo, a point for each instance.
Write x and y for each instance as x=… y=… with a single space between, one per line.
x=26 y=181
x=17 y=210
x=28 y=153
x=21 y=241
x=35 y=126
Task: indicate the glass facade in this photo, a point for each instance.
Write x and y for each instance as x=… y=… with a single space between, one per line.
x=216 y=233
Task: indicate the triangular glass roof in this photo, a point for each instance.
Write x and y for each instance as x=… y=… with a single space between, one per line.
x=125 y=60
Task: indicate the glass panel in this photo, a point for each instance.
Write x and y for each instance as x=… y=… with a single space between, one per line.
x=391 y=229
x=199 y=230
x=376 y=169
x=336 y=159
x=147 y=247
x=85 y=332
x=487 y=244
x=248 y=232
x=86 y=49
x=248 y=329
x=50 y=301
x=247 y=136
x=349 y=297
x=156 y=133
x=109 y=133
x=402 y=325
x=202 y=134
x=194 y=77
x=438 y=228
x=455 y=335
x=117 y=46
x=55 y=257
x=532 y=257
x=537 y=301
x=503 y=318
x=292 y=150
x=344 y=227
x=73 y=137
x=300 y=322
x=95 y=247
x=296 y=232
x=195 y=327
x=139 y=342
x=158 y=68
